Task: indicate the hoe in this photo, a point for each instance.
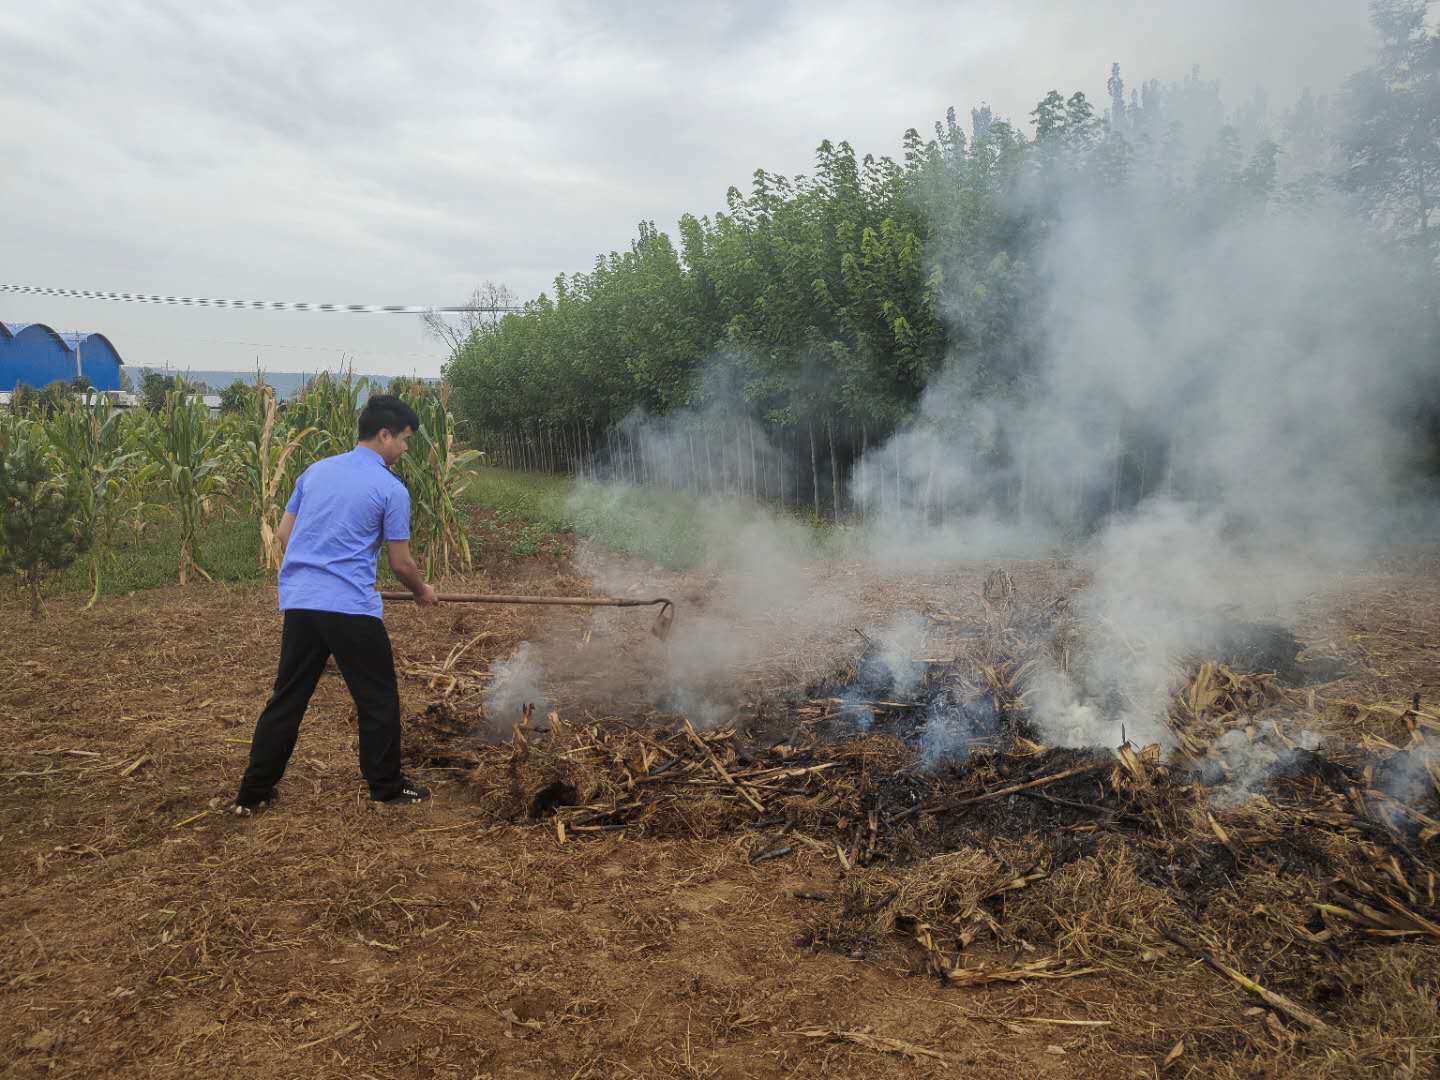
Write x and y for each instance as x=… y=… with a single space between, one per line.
x=663 y=622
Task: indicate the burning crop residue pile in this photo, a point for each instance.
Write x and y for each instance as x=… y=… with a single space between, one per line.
x=957 y=835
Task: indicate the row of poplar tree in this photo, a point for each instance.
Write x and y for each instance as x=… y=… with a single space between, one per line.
x=820 y=306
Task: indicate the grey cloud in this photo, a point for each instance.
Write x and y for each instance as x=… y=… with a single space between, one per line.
x=370 y=151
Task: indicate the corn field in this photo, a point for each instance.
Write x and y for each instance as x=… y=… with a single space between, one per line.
x=103 y=470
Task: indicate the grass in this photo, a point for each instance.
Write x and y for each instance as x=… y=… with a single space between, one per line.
x=229 y=552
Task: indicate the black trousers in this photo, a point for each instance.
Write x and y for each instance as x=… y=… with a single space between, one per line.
x=361 y=648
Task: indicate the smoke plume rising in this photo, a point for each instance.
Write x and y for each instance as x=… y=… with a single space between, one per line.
x=1206 y=421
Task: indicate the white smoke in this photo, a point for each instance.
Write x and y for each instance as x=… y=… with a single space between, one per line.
x=1256 y=358
x=1207 y=424
x=767 y=595
x=519 y=681
x=1241 y=763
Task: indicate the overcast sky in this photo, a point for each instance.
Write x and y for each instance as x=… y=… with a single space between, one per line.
x=384 y=153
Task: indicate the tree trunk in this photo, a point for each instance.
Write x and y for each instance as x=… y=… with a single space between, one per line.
x=709 y=462
x=899 y=488
x=783 y=462
x=741 y=486
x=928 y=501
x=754 y=468
x=737 y=478
x=34 y=579
x=942 y=489
x=814 y=471
x=834 y=469
x=880 y=475
x=864 y=451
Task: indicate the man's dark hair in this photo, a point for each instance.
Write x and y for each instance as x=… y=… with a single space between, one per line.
x=386 y=412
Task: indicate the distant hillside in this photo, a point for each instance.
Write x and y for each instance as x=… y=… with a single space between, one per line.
x=284 y=382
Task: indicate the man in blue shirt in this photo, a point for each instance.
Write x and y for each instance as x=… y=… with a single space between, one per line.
x=341 y=510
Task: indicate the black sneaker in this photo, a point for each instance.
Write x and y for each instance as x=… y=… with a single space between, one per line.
x=410 y=792
x=250 y=807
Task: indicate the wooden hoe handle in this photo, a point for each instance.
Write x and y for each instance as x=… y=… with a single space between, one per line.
x=507 y=598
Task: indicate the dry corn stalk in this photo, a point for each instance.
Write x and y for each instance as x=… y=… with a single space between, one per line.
x=865 y=1037
x=1053 y=968
x=265 y=471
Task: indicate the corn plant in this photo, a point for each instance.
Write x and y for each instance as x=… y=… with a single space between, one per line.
x=90 y=442
x=185 y=455
x=326 y=410
x=437 y=476
x=42 y=527
x=266 y=448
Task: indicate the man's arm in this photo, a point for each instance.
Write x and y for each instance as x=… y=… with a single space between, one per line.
x=405 y=568
x=282 y=534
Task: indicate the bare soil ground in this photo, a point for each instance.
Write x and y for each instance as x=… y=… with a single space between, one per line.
x=142 y=934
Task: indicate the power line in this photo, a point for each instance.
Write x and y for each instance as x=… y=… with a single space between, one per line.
x=252 y=305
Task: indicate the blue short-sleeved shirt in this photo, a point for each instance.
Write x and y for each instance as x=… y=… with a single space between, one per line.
x=343 y=506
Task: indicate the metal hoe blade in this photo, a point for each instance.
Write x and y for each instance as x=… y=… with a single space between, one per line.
x=664 y=622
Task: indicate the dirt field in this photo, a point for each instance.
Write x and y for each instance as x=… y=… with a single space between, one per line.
x=144 y=935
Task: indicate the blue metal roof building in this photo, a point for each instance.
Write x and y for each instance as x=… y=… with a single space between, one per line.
x=34 y=354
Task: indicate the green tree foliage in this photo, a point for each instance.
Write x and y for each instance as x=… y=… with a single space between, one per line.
x=1389 y=141
x=1390 y=137
x=154 y=388
x=22 y=399
x=794 y=282
x=42 y=513
x=834 y=298
x=237 y=399
x=43 y=404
